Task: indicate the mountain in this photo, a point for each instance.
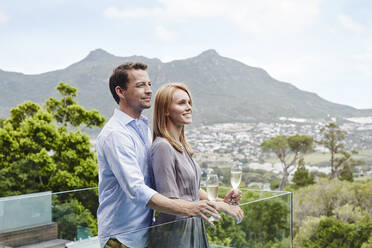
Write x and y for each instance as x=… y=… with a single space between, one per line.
x=223 y=89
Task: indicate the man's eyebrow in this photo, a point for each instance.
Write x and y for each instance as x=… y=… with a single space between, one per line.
x=143 y=82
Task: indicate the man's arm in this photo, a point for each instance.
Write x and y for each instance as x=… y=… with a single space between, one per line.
x=181 y=207
x=119 y=151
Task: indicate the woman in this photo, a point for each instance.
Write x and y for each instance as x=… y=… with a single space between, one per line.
x=175 y=172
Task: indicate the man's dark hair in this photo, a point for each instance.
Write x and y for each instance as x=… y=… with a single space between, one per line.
x=119 y=76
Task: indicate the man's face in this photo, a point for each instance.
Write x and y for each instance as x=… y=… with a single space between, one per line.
x=138 y=94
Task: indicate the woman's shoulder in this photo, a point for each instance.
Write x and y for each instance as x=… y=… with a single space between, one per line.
x=161 y=144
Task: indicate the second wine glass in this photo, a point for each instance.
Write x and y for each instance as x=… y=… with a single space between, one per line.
x=212 y=189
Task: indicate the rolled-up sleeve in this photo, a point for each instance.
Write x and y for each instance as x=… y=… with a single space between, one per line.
x=119 y=150
x=163 y=165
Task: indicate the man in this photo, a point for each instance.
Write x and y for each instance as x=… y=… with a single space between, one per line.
x=125 y=193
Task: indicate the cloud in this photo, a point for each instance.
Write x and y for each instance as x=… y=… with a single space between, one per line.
x=250 y=16
x=164 y=34
x=362 y=62
x=350 y=24
x=3 y=18
x=114 y=13
x=295 y=69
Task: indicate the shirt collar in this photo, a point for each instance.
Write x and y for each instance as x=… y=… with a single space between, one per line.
x=126 y=119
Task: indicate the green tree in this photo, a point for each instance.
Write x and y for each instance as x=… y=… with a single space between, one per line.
x=302 y=177
x=341 y=160
x=266 y=221
x=346 y=173
x=288 y=149
x=72 y=215
x=37 y=155
x=1 y=122
x=68 y=112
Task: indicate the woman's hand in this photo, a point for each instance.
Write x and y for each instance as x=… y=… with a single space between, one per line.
x=232 y=210
x=203 y=208
x=233 y=197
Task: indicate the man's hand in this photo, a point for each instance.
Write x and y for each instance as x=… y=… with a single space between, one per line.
x=202 y=209
x=233 y=197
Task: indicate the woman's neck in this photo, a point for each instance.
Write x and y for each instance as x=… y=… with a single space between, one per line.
x=174 y=130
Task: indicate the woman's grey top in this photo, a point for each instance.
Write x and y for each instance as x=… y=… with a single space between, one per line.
x=176 y=175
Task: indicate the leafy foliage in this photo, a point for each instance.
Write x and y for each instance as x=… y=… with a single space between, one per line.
x=302 y=177
x=70 y=216
x=332 y=198
x=68 y=111
x=37 y=155
x=333 y=232
x=265 y=224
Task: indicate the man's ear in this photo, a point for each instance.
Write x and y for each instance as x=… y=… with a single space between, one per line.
x=119 y=91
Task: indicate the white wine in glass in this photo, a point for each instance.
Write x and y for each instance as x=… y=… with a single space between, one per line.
x=212 y=189
x=236 y=176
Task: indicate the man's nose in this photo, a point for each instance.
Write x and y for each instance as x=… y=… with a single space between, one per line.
x=148 y=89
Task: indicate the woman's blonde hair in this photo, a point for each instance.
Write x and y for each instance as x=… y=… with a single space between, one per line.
x=163 y=100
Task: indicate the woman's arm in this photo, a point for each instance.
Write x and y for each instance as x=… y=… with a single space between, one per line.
x=232 y=210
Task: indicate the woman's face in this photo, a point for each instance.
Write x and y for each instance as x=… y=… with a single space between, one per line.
x=180 y=110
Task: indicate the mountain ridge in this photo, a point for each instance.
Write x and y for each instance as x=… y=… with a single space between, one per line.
x=223 y=89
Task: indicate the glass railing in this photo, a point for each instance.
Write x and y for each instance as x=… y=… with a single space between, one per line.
x=70 y=217
x=49 y=219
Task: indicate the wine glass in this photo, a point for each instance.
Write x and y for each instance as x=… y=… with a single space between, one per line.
x=212 y=189
x=235 y=177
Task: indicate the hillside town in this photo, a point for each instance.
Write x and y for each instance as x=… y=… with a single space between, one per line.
x=220 y=144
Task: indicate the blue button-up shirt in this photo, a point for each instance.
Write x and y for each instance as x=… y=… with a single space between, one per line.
x=125 y=179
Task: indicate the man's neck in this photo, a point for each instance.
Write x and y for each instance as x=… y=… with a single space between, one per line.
x=129 y=111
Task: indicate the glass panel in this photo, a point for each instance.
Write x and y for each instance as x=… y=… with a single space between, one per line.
x=75 y=213
x=267 y=221
x=25 y=211
x=266 y=224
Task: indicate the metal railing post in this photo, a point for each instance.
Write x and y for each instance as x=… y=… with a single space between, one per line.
x=291 y=219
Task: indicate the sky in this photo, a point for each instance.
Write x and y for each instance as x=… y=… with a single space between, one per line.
x=321 y=46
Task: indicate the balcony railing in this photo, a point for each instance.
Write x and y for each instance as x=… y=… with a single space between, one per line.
x=69 y=219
